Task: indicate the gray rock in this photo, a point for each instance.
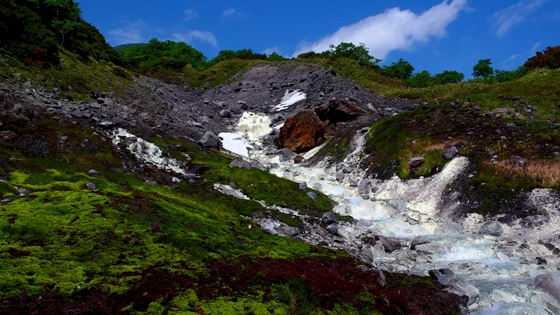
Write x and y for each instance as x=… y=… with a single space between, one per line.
x=225 y=113
x=257 y=164
x=313 y=195
x=91 y=186
x=95 y=94
x=210 y=140
x=192 y=181
x=419 y=240
x=240 y=163
x=340 y=176
x=286 y=155
x=288 y=230
x=17 y=107
x=189 y=176
x=329 y=217
x=548 y=284
x=303 y=186
x=462 y=288
x=347 y=170
x=415 y=162
x=333 y=228
x=106 y=124
x=365 y=187
x=443 y=276
x=391 y=244
x=492 y=228
x=270 y=151
x=450 y=153
x=93 y=173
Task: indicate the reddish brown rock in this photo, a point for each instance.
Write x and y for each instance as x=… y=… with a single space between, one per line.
x=298 y=159
x=302 y=132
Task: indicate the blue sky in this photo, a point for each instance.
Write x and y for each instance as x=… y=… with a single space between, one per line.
x=432 y=35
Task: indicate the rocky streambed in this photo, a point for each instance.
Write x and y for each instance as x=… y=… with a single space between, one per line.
x=410 y=227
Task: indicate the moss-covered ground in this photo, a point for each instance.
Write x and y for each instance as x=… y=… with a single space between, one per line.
x=128 y=247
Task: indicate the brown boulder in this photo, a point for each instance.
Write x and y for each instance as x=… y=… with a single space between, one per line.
x=302 y=132
x=339 y=111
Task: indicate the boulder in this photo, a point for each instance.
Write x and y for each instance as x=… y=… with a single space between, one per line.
x=298 y=159
x=225 y=113
x=450 y=153
x=339 y=111
x=418 y=240
x=492 y=228
x=390 y=244
x=288 y=230
x=93 y=173
x=286 y=155
x=302 y=132
x=210 y=140
x=240 y=163
x=91 y=186
x=415 y=162
x=548 y=284
x=329 y=217
x=443 y=276
x=313 y=196
x=462 y=288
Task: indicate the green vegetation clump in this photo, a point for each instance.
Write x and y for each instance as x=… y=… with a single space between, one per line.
x=35 y=31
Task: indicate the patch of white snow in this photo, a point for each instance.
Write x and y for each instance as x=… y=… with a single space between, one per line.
x=235 y=143
x=289 y=99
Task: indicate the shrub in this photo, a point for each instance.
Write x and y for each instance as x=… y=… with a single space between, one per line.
x=549 y=58
x=401 y=70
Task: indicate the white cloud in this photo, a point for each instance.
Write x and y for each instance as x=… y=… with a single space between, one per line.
x=535 y=47
x=230 y=12
x=131 y=33
x=190 y=14
x=515 y=14
x=203 y=36
x=393 y=29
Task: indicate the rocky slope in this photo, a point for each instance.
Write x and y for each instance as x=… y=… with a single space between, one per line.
x=501 y=261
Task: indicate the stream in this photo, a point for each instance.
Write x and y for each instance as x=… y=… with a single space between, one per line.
x=503 y=269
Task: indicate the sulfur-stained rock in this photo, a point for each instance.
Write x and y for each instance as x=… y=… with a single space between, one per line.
x=302 y=132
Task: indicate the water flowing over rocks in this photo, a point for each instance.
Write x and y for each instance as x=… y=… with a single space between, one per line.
x=405 y=226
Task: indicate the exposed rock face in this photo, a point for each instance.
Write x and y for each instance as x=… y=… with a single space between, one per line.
x=302 y=132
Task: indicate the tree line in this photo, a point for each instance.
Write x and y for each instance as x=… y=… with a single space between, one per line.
x=35 y=31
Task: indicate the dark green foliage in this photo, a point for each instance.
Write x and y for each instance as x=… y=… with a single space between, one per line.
x=309 y=55
x=420 y=79
x=504 y=75
x=549 y=58
x=23 y=34
x=401 y=70
x=164 y=54
x=244 y=54
x=34 y=30
x=483 y=69
x=275 y=57
x=448 y=77
x=349 y=50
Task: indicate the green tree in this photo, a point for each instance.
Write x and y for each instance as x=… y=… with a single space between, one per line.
x=420 y=79
x=448 y=76
x=275 y=57
x=401 y=70
x=348 y=50
x=483 y=69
